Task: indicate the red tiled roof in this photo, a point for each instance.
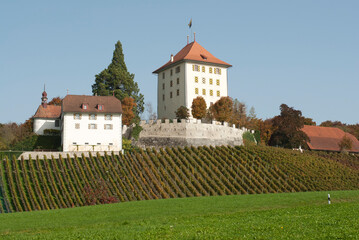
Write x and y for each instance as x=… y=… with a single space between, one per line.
x=193 y=51
x=51 y=111
x=327 y=138
x=73 y=103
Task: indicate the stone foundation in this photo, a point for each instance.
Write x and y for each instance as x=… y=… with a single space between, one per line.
x=187 y=133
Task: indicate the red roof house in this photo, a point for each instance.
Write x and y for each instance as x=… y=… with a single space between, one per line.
x=328 y=138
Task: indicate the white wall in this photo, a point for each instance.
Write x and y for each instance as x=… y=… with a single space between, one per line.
x=40 y=124
x=167 y=108
x=192 y=85
x=74 y=139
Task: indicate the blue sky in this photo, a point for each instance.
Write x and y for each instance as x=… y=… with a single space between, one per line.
x=301 y=53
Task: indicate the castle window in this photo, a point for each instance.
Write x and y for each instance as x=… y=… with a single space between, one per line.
x=108 y=117
x=211 y=92
x=100 y=107
x=86 y=143
x=203 y=91
x=203 y=80
x=108 y=126
x=210 y=70
x=77 y=125
x=163 y=86
x=177 y=80
x=178 y=69
x=195 y=68
x=217 y=71
x=203 y=69
x=77 y=116
x=163 y=97
x=98 y=143
x=163 y=75
x=92 y=117
x=110 y=144
x=217 y=82
x=218 y=93
x=211 y=81
x=170 y=94
x=171 y=72
x=92 y=126
x=84 y=106
x=74 y=143
x=196 y=90
x=196 y=79
x=171 y=83
x=57 y=123
x=177 y=92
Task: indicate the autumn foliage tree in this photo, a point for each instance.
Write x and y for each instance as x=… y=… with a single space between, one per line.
x=182 y=113
x=288 y=127
x=222 y=110
x=128 y=115
x=55 y=101
x=199 y=107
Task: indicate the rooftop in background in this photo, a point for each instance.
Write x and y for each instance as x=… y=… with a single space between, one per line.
x=195 y=52
x=51 y=111
x=74 y=103
x=328 y=138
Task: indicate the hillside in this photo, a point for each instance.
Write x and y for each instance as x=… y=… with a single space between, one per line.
x=28 y=185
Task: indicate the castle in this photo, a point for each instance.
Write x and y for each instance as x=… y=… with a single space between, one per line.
x=192 y=72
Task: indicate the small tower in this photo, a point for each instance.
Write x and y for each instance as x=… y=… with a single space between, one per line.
x=44 y=99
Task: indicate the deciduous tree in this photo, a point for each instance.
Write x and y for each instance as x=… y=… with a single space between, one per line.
x=223 y=109
x=182 y=113
x=128 y=115
x=55 y=101
x=199 y=107
x=115 y=79
x=288 y=127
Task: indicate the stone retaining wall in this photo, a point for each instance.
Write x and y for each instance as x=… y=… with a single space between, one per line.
x=187 y=133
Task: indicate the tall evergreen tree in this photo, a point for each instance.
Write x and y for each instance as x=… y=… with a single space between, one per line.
x=115 y=79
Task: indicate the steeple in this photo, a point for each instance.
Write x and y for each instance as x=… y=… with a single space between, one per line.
x=44 y=98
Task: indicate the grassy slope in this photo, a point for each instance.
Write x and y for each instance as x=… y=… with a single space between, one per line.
x=269 y=216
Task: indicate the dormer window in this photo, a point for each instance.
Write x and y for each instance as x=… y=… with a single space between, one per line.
x=85 y=106
x=204 y=57
x=100 y=107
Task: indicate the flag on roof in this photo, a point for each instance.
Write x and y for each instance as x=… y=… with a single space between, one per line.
x=190 y=23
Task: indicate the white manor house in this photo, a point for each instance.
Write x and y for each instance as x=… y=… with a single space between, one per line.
x=86 y=123
x=192 y=72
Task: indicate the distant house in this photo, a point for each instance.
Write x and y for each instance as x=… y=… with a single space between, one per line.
x=86 y=123
x=328 y=138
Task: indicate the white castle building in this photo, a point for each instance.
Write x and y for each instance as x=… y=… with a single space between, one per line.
x=86 y=123
x=192 y=72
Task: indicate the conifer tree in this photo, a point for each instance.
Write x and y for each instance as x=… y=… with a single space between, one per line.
x=116 y=79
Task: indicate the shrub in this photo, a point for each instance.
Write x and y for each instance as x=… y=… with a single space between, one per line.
x=52 y=132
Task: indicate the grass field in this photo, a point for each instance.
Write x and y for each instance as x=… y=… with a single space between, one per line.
x=262 y=216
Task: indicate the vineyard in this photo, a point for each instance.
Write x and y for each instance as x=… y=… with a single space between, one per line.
x=42 y=184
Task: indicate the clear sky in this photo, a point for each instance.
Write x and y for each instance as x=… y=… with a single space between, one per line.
x=302 y=53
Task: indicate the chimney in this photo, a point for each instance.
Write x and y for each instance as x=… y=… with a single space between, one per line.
x=171 y=57
x=194 y=36
x=187 y=39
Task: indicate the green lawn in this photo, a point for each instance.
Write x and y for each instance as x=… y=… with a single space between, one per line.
x=265 y=216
